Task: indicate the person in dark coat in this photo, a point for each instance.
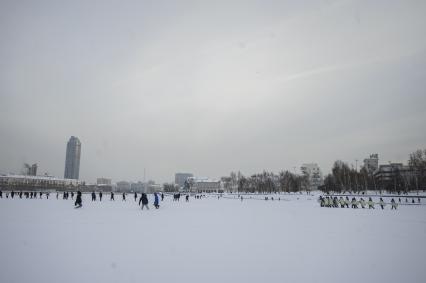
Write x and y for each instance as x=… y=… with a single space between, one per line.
x=382 y=203
x=1 y=194
x=162 y=196
x=124 y=196
x=136 y=196
x=187 y=198
x=100 y=196
x=112 y=196
x=93 y=196
x=144 y=200
x=156 y=201
x=78 y=202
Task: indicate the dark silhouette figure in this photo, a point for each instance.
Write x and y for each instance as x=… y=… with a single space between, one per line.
x=382 y=203
x=1 y=194
x=370 y=203
x=100 y=196
x=112 y=196
x=144 y=201
x=394 y=205
x=124 y=196
x=162 y=196
x=187 y=198
x=156 y=201
x=78 y=202
x=12 y=194
x=136 y=195
x=93 y=196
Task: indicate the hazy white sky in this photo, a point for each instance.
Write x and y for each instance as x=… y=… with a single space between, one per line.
x=209 y=86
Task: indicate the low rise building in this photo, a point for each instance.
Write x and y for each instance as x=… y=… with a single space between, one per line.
x=26 y=182
x=314 y=175
x=205 y=185
x=371 y=164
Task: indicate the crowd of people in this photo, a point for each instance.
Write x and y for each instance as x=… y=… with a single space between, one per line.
x=325 y=201
x=334 y=201
x=143 y=200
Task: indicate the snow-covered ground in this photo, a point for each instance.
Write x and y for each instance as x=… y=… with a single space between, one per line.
x=209 y=240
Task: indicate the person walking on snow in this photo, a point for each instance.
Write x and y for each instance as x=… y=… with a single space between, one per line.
x=162 y=197
x=144 y=200
x=370 y=203
x=100 y=196
x=136 y=196
x=78 y=202
x=382 y=203
x=394 y=204
x=112 y=196
x=93 y=196
x=347 y=202
x=362 y=202
x=156 y=201
x=124 y=196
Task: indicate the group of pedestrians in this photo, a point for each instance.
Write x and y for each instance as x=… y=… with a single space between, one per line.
x=21 y=194
x=143 y=200
x=330 y=201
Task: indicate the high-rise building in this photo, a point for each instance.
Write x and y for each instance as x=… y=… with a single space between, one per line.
x=180 y=178
x=72 y=160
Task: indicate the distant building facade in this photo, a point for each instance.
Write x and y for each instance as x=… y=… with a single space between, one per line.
x=137 y=187
x=180 y=178
x=72 y=159
x=314 y=174
x=103 y=181
x=372 y=164
x=123 y=186
x=37 y=183
x=205 y=185
x=390 y=173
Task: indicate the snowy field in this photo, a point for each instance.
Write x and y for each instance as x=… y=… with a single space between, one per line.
x=209 y=240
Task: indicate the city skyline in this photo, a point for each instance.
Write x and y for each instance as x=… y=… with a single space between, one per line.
x=210 y=88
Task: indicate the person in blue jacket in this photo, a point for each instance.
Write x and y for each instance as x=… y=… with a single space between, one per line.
x=156 y=201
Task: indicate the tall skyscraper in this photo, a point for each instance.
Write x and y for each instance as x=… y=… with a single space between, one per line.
x=72 y=159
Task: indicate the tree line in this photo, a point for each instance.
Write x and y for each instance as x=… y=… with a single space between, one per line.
x=342 y=178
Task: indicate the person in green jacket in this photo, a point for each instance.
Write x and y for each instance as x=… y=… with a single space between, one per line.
x=362 y=203
x=347 y=202
x=370 y=203
x=342 y=202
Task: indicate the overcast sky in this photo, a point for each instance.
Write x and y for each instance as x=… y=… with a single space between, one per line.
x=209 y=87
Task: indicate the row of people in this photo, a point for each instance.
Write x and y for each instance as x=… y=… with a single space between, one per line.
x=21 y=194
x=354 y=203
